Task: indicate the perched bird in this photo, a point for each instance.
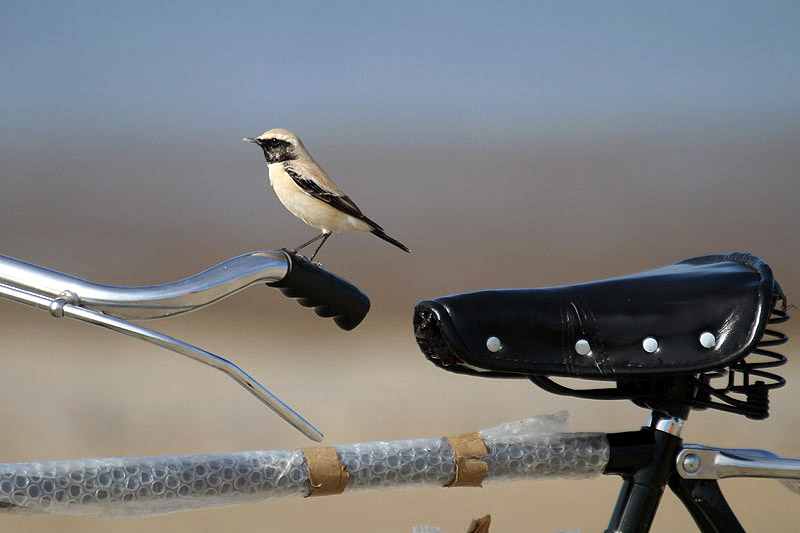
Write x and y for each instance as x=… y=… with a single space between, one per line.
x=307 y=191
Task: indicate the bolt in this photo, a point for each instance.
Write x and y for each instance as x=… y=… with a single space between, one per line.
x=691 y=463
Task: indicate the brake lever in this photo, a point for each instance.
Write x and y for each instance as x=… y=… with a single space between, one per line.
x=64 y=306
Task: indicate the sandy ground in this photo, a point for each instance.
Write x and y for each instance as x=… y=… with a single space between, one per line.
x=72 y=390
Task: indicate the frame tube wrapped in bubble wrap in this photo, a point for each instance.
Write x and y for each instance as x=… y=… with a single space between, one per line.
x=536 y=448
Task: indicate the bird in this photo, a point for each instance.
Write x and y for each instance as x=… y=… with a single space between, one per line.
x=308 y=193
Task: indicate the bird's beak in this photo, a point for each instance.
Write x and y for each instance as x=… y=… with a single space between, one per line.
x=250 y=140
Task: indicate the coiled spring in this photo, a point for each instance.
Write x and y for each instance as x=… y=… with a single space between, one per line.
x=749 y=376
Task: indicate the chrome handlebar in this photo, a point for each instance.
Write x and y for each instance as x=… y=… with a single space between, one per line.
x=108 y=306
x=154 y=301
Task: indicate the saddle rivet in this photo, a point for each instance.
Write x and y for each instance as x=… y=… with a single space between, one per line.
x=649 y=344
x=493 y=344
x=707 y=339
x=582 y=347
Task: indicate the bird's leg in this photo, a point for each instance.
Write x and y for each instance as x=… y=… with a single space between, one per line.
x=325 y=238
x=318 y=237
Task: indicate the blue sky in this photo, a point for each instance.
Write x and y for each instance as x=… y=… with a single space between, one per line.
x=93 y=69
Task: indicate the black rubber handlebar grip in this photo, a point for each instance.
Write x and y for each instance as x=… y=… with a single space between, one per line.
x=329 y=295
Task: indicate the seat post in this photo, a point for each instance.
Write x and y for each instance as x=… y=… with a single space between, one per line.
x=645 y=459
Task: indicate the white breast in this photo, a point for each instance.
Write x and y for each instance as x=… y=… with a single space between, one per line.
x=310 y=210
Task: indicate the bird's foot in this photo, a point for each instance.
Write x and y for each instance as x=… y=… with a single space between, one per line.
x=301 y=256
x=293 y=252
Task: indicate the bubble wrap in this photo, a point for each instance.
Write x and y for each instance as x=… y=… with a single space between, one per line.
x=133 y=487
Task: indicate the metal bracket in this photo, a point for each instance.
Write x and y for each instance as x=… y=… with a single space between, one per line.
x=703 y=462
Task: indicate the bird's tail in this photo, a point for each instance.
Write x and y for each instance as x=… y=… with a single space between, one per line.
x=378 y=232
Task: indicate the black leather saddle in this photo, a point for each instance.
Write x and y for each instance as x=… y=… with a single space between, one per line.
x=697 y=315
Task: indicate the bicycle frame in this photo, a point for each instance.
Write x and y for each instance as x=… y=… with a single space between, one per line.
x=539 y=448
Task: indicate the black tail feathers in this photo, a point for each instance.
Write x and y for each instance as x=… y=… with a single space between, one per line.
x=380 y=233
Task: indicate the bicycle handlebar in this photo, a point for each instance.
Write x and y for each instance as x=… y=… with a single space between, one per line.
x=154 y=301
x=108 y=306
x=333 y=296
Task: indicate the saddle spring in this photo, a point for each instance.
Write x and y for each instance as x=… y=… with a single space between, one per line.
x=755 y=381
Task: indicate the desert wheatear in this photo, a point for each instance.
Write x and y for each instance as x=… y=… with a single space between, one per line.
x=307 y=191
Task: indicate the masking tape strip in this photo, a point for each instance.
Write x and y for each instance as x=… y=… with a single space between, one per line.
x=327 y=475
x=469 y=471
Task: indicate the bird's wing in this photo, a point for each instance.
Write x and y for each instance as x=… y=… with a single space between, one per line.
x=319 y=190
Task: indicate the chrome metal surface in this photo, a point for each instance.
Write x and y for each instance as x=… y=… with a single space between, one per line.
x=720 y=463
x=154 y=301
x=671 y=425
x=691 y=463
x=62 y=308
x=56 y=307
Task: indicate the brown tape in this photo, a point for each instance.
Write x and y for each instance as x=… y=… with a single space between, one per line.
x=469 y=471
x=327 y=475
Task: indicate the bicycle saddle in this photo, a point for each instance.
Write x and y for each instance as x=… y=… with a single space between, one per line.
x=699 y=314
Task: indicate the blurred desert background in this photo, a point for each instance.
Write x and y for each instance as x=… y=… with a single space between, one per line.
x=508 y=145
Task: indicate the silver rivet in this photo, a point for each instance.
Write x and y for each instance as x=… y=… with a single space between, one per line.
x=707 y=339
x=649 y=344
x=691 y=463
x=582 y=347
x=56 y=307
x=493 y=344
